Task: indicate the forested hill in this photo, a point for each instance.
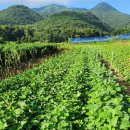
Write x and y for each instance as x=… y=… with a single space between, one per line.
x=110 y=15
x=64 y=25
x=73 y=20
x=18 y=15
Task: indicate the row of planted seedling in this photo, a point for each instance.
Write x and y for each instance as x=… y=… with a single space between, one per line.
x=70 y=91
x=118 y=55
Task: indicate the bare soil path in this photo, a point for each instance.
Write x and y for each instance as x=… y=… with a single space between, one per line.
x=123 y=42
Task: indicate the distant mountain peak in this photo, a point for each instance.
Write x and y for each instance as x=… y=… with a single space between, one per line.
x=22 y=6
x=19 y=7
x=109 y=15
x=104 y=6
x=50 y=10
x=56 y=5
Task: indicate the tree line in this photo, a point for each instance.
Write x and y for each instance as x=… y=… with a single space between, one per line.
x=30 y=33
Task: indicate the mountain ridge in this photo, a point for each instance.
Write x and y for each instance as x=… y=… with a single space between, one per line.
x=104 y=6
x=103 y=11
x=111 y=16
x=53 y=9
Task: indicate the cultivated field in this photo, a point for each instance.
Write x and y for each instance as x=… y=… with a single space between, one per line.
x=84 y=88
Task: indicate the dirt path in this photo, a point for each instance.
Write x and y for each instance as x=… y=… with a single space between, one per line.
x=122 y=42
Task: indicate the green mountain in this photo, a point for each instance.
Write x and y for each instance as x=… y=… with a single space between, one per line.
x=72 y=19
x=22 y=15
x=110 y=15
x=61 y=26
x=50 y=10
x=18 y=15
x=53 y=9
x=105 y=12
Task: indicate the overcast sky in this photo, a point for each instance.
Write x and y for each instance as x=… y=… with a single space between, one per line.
x=122 y=5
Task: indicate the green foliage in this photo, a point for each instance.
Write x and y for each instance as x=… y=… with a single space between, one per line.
x=123 y=30
x=74 y=20
x=18 y=15
x=17 y=33
x=60 y=27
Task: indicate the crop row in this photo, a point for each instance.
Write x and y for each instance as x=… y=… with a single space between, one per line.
x=70 y=91
x=118 y=56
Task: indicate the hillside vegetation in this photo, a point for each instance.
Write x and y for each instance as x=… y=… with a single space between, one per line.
x=50 y=10
x=18 y=15
x=75 y=19
x=53 y=9
x=105 y=12
x=68 y=24
x=111 y=16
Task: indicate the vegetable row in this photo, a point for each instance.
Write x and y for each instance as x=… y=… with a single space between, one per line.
x=70 y=91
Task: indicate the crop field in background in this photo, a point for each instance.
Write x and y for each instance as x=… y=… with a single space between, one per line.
x=84 y=88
